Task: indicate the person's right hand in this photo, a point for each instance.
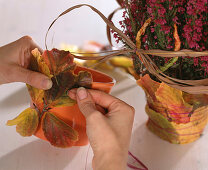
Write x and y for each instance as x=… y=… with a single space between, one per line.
x=109 y=134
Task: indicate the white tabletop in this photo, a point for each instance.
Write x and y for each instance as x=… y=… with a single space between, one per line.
x=18 y=153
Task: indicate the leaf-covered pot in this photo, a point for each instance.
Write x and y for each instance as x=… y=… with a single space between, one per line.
x=175 y=116
x=72 y=115
x=55 y=117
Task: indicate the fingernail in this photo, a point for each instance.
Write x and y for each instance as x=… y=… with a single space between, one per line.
x=82 y=93
x=47 y=84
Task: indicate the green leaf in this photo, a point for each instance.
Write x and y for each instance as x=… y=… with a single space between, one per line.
x=27 y=122
x=57 y=132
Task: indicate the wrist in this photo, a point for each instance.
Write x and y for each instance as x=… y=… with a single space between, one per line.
x=110 y=161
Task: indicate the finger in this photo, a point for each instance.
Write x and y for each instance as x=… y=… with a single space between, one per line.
x=85 y=102
x=72 y=94
x=107 y=101
x=104 y=100
x=27 y=41
x=32 y=78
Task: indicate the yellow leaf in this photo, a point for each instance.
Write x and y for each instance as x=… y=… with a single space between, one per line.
x=27 y=122
x=178 y=133
x=37 y=96
x=121 y=62
x=172 y=100
x=42 y=67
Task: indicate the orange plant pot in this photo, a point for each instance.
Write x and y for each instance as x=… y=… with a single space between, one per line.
x=72 y=115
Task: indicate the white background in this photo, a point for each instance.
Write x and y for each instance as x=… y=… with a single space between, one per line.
x=33 y=17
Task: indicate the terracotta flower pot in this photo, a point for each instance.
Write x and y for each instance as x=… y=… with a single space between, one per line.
x=72 y=115
x=174 y=116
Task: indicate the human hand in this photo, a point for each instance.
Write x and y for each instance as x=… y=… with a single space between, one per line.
x=109 y=134
x=14 y=60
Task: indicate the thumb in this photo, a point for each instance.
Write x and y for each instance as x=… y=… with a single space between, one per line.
x=85 y=102
x=32 y=78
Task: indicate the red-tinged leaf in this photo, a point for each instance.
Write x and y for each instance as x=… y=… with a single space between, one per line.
x=27 y=122
x=57 y=132
x=61 y=84
x=84 y=79
x=149 y=86
x=172 y=100
x=59 y=61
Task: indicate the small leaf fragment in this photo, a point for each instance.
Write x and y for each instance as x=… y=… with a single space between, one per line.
x=27 y=122
x=57 y=132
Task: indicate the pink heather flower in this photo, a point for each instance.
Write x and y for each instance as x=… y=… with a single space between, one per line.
x=196 y=61
x=166 y=29
x=160 y=21
x=161 y=11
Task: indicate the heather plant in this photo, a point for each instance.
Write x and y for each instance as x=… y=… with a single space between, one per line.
x=188 y=17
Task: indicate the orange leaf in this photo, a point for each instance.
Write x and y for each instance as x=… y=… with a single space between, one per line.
x=57 y=132
x=149 y=86
x=27 y=122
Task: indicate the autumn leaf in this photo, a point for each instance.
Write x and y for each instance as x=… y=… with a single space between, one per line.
x=27 y=122
x=42 y=66
x=196 y=99
x=57 y=132
x=37 y=96
x=63 y=82
x=64 y=100
x=172 y=100
x=149 y=86
x=121 y=62
x=84 y=79
x=59 y=61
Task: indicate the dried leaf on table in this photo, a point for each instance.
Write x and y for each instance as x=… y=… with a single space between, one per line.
x=121 y=62
x=58 y=132
x=27 y=122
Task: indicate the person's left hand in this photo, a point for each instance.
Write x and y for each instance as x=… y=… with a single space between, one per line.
x=14 y=60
